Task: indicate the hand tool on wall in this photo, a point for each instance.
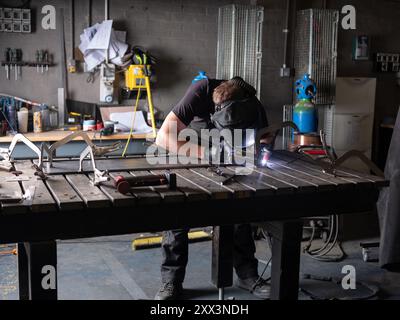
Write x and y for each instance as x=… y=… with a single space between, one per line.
x=19 y=56
x=125 y=184
x=7 y=60
x=39 y=59
x=46 y=60
x=13 y=62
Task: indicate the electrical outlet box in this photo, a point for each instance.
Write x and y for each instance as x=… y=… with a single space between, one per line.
x=7 y=26
x=26 y=27
x=17 y=26
x=17 y=14
x=8 y=13
x=15 y=20
x=107 y=78
x=26 y=15
x=286 y=72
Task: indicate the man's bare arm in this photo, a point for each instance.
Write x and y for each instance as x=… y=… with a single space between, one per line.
x=168 y=138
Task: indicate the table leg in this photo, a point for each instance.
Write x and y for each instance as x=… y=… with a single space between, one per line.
x=222 y=258
x=23 y=273
x=37 y=264
x=286 y=242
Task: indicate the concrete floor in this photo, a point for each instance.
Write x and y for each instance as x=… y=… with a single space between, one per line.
x=108 y=269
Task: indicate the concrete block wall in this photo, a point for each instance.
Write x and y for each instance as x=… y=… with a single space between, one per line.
x=182 y=34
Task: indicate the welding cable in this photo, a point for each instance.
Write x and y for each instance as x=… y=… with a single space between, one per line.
x=260 y=279
x=35 y=104
x=328 y=241
x=328 y=246
x=133 y=122
x=322 y=253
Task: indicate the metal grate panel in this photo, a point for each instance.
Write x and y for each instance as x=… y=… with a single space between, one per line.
x=316 y=50
x=239 y=51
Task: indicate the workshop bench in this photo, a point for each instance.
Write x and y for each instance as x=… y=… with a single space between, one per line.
x=67 y=206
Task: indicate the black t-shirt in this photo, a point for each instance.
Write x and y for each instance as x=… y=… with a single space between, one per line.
x=197 y=105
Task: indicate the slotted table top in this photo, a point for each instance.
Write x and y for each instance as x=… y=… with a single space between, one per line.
x=68 y=206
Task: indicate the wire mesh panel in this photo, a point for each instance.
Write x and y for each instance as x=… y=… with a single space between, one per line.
x=239 y=51
x=316 y=50
x=287 y=133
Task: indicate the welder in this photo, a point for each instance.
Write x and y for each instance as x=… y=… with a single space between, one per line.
x=196 y=109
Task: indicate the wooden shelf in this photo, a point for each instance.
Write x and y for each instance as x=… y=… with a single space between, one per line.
x=58 y=135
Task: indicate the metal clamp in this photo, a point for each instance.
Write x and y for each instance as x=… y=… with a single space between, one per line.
x=91 y=150
x=334 y=162
x=6 y=154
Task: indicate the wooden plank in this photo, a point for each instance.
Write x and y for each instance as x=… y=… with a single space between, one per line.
x=288 y=162
x=142 y=195
x=118 y=199
x=215 y=191
x=363 y=183
x=252 y=181
x=263 y=185
x=321 y=185
x=42 y=200
x=11 y=190
x=299 y=185
x=191 y=190
x=238 y=190
x=65 y=196
x=165 y=192
x=91 y=195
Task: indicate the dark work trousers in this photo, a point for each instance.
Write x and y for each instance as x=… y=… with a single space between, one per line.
x=175 y=247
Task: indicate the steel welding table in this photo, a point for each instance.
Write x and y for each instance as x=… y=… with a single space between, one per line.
x=67 y=206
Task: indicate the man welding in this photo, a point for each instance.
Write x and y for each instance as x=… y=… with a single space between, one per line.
x=194 y=111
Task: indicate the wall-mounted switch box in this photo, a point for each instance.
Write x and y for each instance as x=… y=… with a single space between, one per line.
x=361 y=48
x=286 y=72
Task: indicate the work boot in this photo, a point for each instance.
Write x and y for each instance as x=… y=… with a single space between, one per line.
x=169 y=291
x=256 y=286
